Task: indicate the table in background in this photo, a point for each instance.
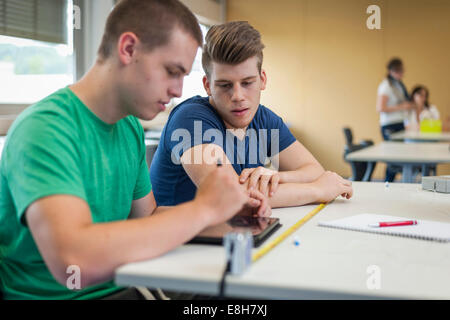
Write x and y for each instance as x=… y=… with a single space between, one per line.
x=407 y=155
x=328 y=263
x=415 y=136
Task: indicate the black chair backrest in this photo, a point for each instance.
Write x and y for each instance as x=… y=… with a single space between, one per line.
x=348 y=136
x=358 y=167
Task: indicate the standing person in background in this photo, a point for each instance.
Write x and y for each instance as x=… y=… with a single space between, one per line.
x=392 y=104
x=393 y=100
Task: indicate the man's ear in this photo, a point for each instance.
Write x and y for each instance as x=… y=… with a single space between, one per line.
x=207 y=85
x=126 y=47
x=263 y=79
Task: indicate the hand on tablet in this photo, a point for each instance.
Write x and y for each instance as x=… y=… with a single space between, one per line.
x=257 y=205
x=222 y=197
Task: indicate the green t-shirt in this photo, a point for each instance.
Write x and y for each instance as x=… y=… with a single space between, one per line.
x=59 y=146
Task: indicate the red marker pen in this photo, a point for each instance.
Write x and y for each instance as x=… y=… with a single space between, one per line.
x=393 y=224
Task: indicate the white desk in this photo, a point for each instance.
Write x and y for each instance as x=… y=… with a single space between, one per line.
x=407 y=155
x=329 y=263
x=415 y=136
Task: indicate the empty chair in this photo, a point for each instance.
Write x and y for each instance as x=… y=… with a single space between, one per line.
x=359 y=168
x=349 y=139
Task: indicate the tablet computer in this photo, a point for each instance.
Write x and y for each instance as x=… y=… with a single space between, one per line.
x=261 y=228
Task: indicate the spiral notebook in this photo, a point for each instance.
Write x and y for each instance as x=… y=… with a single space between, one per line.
x=424 y=229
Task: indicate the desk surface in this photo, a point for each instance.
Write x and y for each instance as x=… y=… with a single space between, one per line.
x=427 y=152
x=329 y=263
x=420 y=136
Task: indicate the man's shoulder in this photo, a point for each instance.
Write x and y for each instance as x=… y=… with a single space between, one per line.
x=58 y=102
x=265 y=117
x=265 y=111
x=54 y=111
x=195 y=105
x=45 y=127
x=195 y=108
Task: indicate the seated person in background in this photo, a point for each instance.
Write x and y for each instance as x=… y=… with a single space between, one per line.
x=232 y=127
x=423 y=109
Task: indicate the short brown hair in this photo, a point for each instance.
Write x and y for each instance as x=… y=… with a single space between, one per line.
x=232 y=43
x=152 y=21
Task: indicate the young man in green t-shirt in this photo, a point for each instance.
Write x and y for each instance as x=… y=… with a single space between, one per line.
x=75 y=192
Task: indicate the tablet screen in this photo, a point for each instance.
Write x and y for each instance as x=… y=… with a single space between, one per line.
x=261 y=228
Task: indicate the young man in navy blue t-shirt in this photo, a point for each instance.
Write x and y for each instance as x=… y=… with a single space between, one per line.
x=231 y=127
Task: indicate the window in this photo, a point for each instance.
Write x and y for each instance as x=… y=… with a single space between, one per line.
x=32 y=69
x=193 y=84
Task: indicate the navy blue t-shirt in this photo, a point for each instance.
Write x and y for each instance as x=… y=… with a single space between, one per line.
x=195 y=122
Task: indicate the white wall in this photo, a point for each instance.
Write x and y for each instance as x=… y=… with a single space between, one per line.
x=208 y=12
x=93 y=17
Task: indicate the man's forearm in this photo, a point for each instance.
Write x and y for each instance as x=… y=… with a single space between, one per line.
x=294 y=194
x=326 y=188
x=104 y=247
x=161 y=209
x=305 y=174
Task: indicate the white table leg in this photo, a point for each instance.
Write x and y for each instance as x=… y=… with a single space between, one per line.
x=369 y=168
x=407 y=174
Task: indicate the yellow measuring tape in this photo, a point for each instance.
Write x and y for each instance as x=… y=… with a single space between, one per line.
x=287 y=233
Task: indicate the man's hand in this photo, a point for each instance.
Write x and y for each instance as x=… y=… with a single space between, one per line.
x=260 y=178
x=330 y=185
x=223 y=197
x=263 y=210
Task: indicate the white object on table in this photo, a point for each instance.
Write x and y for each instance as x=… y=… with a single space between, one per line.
x=369 y=222
x=330 y=263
